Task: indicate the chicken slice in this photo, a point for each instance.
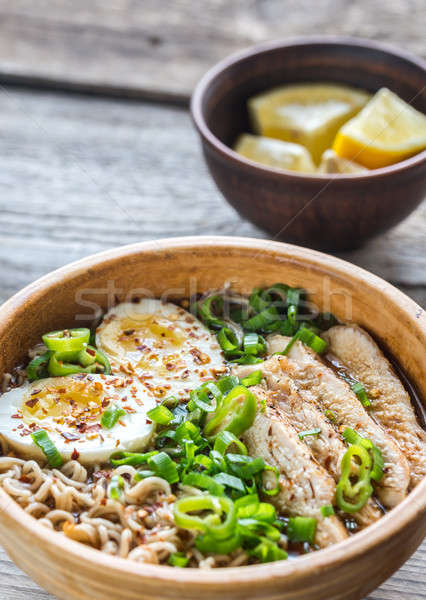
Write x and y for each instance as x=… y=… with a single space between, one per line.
x=333 y=393
x=391 y=404
x=304 y=414
x=304 y=485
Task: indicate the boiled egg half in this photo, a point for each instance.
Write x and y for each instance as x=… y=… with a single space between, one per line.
x=165 y=346
x=70 y=410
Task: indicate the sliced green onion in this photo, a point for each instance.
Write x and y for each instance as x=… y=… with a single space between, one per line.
x=254 y=344
x=205 y=310
x=204 y=482
x=164 y=467
x=143 y=474
x=260 y=528
x=301 y=529
x=230 y=481
x=116 y=488
x=225 y=439
x=276 y=489
x=67 y=340
x=37 y=368
x=309 y=338
x=111 y=416
x=262 y=319
x=247 y=506
x=130 y=458
x=199 y=398
x=160 y=414
x=48 y=448
x=188 y=431
x=227 y=383
x=327 y=510
x=361 y=394
x=228 y=341
x=331 y=416
x=208 y=544
x=243 y=466
x=178 y=559
x=315 y=431
x=247 y=359
x=253 y=379
x=268 y=551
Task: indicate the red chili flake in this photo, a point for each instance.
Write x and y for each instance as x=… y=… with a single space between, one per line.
x=91 y=352
x=185 y=374
x=170 y=366
x=34 y=392
x=70 y=437
x=75 y=454
x=62 y=391
x=32 y=403
x=129 y=331
x=16 y=416
x=143 y=348
x=94 y=427
x=148 y=421
x=25 y=479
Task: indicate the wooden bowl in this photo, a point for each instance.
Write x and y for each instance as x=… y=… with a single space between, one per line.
x=176 y=268
x=332 y=212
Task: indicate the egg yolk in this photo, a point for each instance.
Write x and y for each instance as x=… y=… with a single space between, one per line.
x=78 y=397
x=149 y=330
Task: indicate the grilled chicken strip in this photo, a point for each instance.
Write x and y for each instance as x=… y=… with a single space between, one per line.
x=333 y=393
x=391 y=404
x=304 y=414
x=304 y=485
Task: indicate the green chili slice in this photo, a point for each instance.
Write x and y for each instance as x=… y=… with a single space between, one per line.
x=48 y=448
x=220 y=507
x=111 y=416
x=352 y=437
x=352 y=495
x=235 y=414
x=67 y=340
x=301 y=529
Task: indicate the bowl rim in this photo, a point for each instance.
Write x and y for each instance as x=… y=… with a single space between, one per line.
x=263 y=48
x=412 y=507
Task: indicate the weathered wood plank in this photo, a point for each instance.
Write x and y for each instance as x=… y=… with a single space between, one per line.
x=160 y=49
x=82 y=174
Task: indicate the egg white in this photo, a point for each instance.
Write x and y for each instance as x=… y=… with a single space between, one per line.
x=75 y=427
x=165 y=346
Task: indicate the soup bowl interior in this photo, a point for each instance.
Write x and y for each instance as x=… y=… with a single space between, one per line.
x=331 y=212
x=175 y=269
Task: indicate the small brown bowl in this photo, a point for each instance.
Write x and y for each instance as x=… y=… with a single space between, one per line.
x=180 y=267
x=332 y=212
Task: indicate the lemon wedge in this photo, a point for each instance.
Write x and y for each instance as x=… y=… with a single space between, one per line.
x=332 y=163
x=386 y=131
x=275 y=153
x=307 y=114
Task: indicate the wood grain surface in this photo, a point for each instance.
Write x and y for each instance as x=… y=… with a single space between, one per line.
x=160 y=48
x=82 y=174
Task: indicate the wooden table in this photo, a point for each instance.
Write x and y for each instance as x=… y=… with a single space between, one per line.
x=82 y=173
